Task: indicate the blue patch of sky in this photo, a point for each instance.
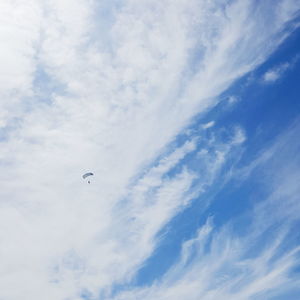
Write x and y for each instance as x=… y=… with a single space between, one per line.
x=263 y=112
x=86 y=295
x=290 y=241
x=45 y=86
x=182 y=227
x=6 y=131
x=103 y=20
x=290 y=294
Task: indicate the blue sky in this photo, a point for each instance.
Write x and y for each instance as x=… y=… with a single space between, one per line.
x=264 y=111
x=187 y=113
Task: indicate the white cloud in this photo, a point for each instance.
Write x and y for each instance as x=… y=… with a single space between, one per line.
x=232 y=99
x=226 y=271
x=275 y=73
x=120 y=98
x=19 y=34
x=257 y=264
x=208 y=125
x=278 y=71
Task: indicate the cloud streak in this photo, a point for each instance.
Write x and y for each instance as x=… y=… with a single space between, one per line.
x=252 y=264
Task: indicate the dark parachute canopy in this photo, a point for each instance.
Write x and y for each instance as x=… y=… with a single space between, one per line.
x=87 y=175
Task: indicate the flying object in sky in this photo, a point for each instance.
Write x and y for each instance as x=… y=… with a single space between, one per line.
x=87 y=175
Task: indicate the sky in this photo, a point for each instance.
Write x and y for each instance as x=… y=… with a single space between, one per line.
x=187 y=113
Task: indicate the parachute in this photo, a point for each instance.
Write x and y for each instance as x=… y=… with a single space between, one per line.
x=87 y=175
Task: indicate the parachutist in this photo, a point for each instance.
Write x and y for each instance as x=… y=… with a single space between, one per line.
x=87 y=175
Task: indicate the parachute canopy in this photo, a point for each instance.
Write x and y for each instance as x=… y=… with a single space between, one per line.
x=87 y=175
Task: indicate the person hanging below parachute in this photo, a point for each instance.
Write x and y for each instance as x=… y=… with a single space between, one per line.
x=84 y=176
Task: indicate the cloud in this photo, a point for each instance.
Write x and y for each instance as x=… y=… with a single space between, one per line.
x=232 y=99
x=19 y=33
x=278 y=71
x=250 y=263
x=275 y=73
x=208 y=125
x=117 y=100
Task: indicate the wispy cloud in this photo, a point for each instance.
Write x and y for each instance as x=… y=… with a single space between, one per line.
x=278 y=71
x=254 y=264
x=208 y=125
x=123 y=86
x=275 y=73
x=232 y=99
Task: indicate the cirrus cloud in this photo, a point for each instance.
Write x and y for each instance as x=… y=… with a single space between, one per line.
x=83 y=89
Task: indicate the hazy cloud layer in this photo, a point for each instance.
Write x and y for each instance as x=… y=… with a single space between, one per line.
x=107 y=88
